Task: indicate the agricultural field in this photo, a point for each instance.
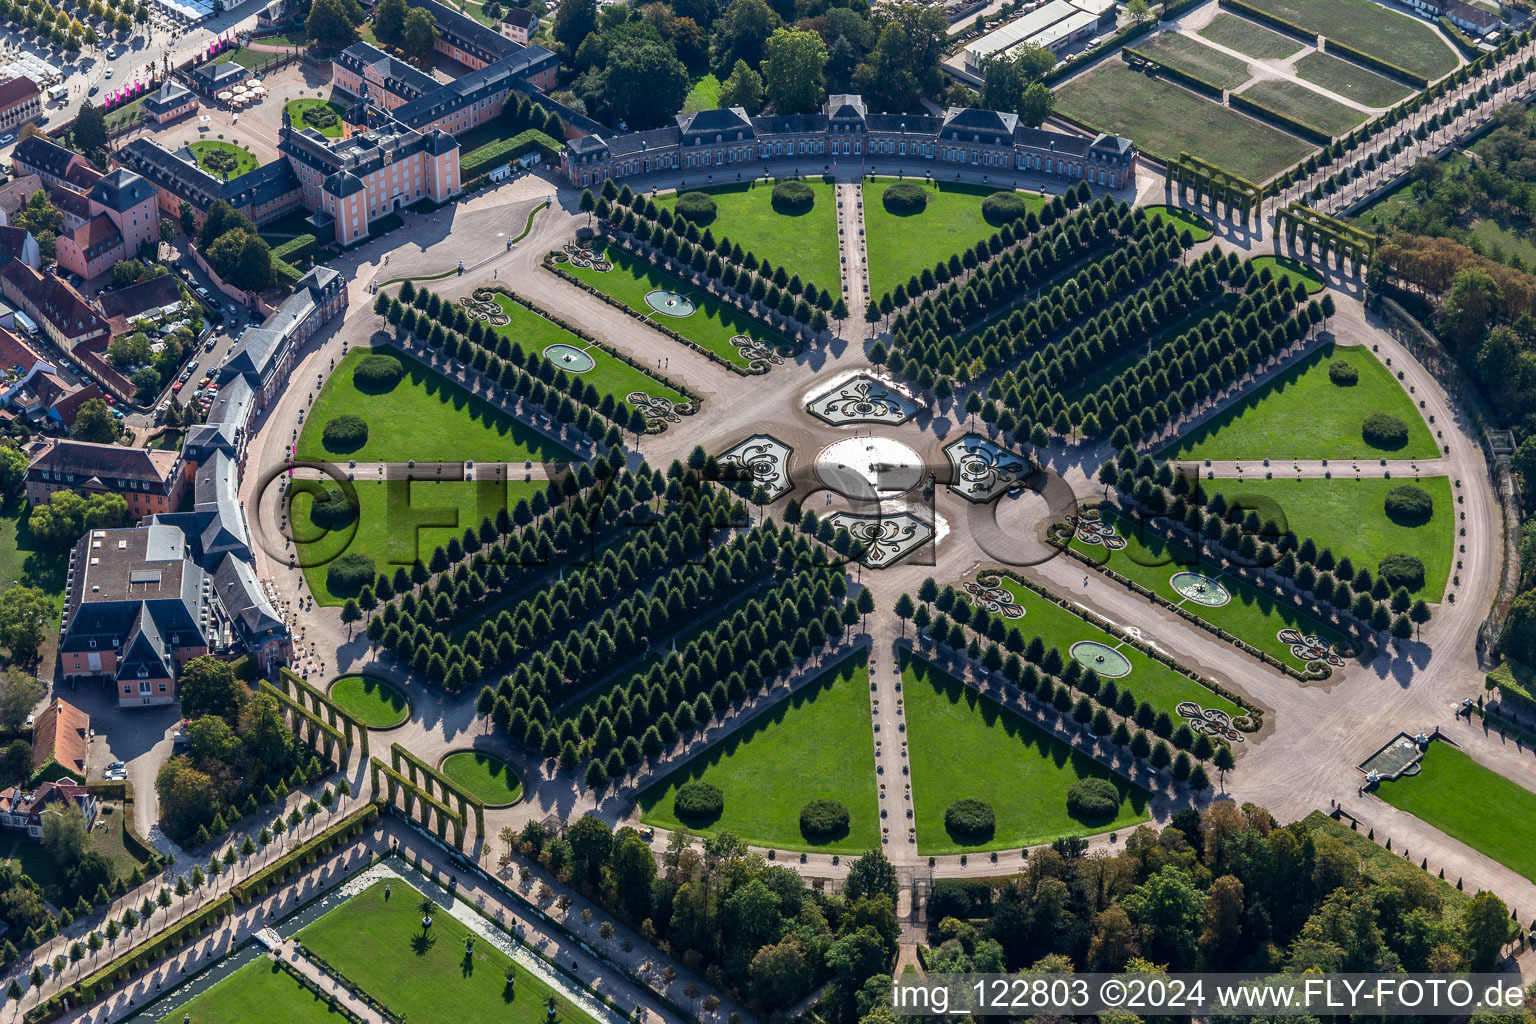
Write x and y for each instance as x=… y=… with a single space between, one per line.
x=965 y=746
x=818 y=744
x=1328 y=116
x=804 y=244
x=1304 y=414
x=1165 y=119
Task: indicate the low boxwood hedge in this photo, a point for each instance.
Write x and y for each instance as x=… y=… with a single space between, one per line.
x=793 y=197
x=904 y=198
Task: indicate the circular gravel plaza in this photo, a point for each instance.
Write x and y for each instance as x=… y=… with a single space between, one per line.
x=1102 y=658
x=669 y=303
x=569 y=358
x=869 y=468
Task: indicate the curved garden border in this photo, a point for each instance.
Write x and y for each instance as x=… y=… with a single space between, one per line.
x=522 y=786
x=410 y=705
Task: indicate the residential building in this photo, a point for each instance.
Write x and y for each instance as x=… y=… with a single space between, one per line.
x=1476 y=21
x=61 y=734
x=150 y=480
x=124 y=215
x=718 y=142
x=22 y=810
x=19 y=243
x=20 y=101
x=170 y=102
x=40 y=155
x=58 y=310
x=519 y=24
x=14 y=195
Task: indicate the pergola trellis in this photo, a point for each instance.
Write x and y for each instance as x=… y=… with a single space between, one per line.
x=1327 y=234
x=1241 y=196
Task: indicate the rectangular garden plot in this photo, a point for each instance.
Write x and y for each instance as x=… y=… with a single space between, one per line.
x=1328 y=116
x=1249 y=37
x=659 y=296
x=261 y=990
x=1204 y=62
x=1371 y=28
x=965 y=746
x=1351 y=80
x=1206 y=592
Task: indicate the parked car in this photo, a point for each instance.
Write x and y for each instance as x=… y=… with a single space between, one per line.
x=115 y=765
x=178 y=385
x=191 y=367
x=7 y=138
x=93 y=90
x=204 y=382
x=108 y=74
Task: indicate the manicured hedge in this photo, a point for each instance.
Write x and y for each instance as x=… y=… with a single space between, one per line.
x=1343 y=373
x=698 y=207
x=256 y=885
x=1178 y=74
x=970 y=819
x=1409 y=503
x=299 y=248
x=350 y=573
x=1375 y=63
x=345 y=433
x=1401 y=570
x=698 y=800
x=1384 y=430
x=1093 y=799
x=1003 y=208
x=824 y=819
x=1285 y=121
x=333 y=509
x=377 y=372
x=793 y=197
x=493 y=154
x=904 y=198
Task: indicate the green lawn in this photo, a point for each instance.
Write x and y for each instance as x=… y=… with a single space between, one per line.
x=1371 y=28
x=399 y=522
x=711 y=325
x=818 y=744
x=1303 y=414
x=250 y=59
x=1251 y=616
x=1351 y=80
x=902 y=245
x=1350 y=516
x=26 y=561
x=1471 y=803
x=1198 y=226
x=964 y=745
x=489 y=779
x=424 y=417
x=298 y=109
x=1291 y=271
x=380 y=947
x=611 y=375
x=703 y=95
x=804 y=244
x=1166 y=119
x=1250 y=37
x=244 y=159
x=1311 y=108
x=375 y=702
x=1149 y=678
x=1204 y=62
x=259 y=991
x=32 y=860
x=1500 y=243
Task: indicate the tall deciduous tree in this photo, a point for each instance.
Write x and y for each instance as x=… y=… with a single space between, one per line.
x=793 y=70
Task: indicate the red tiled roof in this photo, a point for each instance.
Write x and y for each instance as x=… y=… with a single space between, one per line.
x=83 y=177
x=97 y=233
x=17 y=91
x=54 y=300
x=15 y=352
x=68 y=407
x=61 y=732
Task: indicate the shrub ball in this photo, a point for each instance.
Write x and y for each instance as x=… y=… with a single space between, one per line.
x=697 y=207
x=823 y=819
x=1093 y=799
x=904 y=198
x=793 y=197
x=378 y=373
x=1409 y=504
x=1401 y=570
x=970 y=819
x=345 y=433
x=1003 y=207
x=349 y=574
x=698 y=801
x=1384 y=431
x=1342 y=373
x=319 y=117
x=333 y=509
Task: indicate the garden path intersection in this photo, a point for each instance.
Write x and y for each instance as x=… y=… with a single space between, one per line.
x=1314 y=733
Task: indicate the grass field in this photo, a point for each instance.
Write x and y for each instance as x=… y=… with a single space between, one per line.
x=298 y=110
x=900 y=246
x=1250 y=37
x=1500 y=243
x=400 y=521
x=1303 y=414
x=1351 y=80
x=244 y=159
x=380 y=947
x=1312 y=108
x=1149 y=678
x=1165 y=119
x=711 y=325
x=424 y=417
x=1191 y=55
x=26 y=561
x=489 y=779
x=258 y=991
x=1198 y=226
x=818 y=744
x=964 y=745
x=1350 y=516
x=611 y=375
x=1471 y=803
x=804 y=244
x=1370 y=28
x=704 y=94
x=1291 y=271
x=34 y=861
x=1252 y=616
x=375 y=702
